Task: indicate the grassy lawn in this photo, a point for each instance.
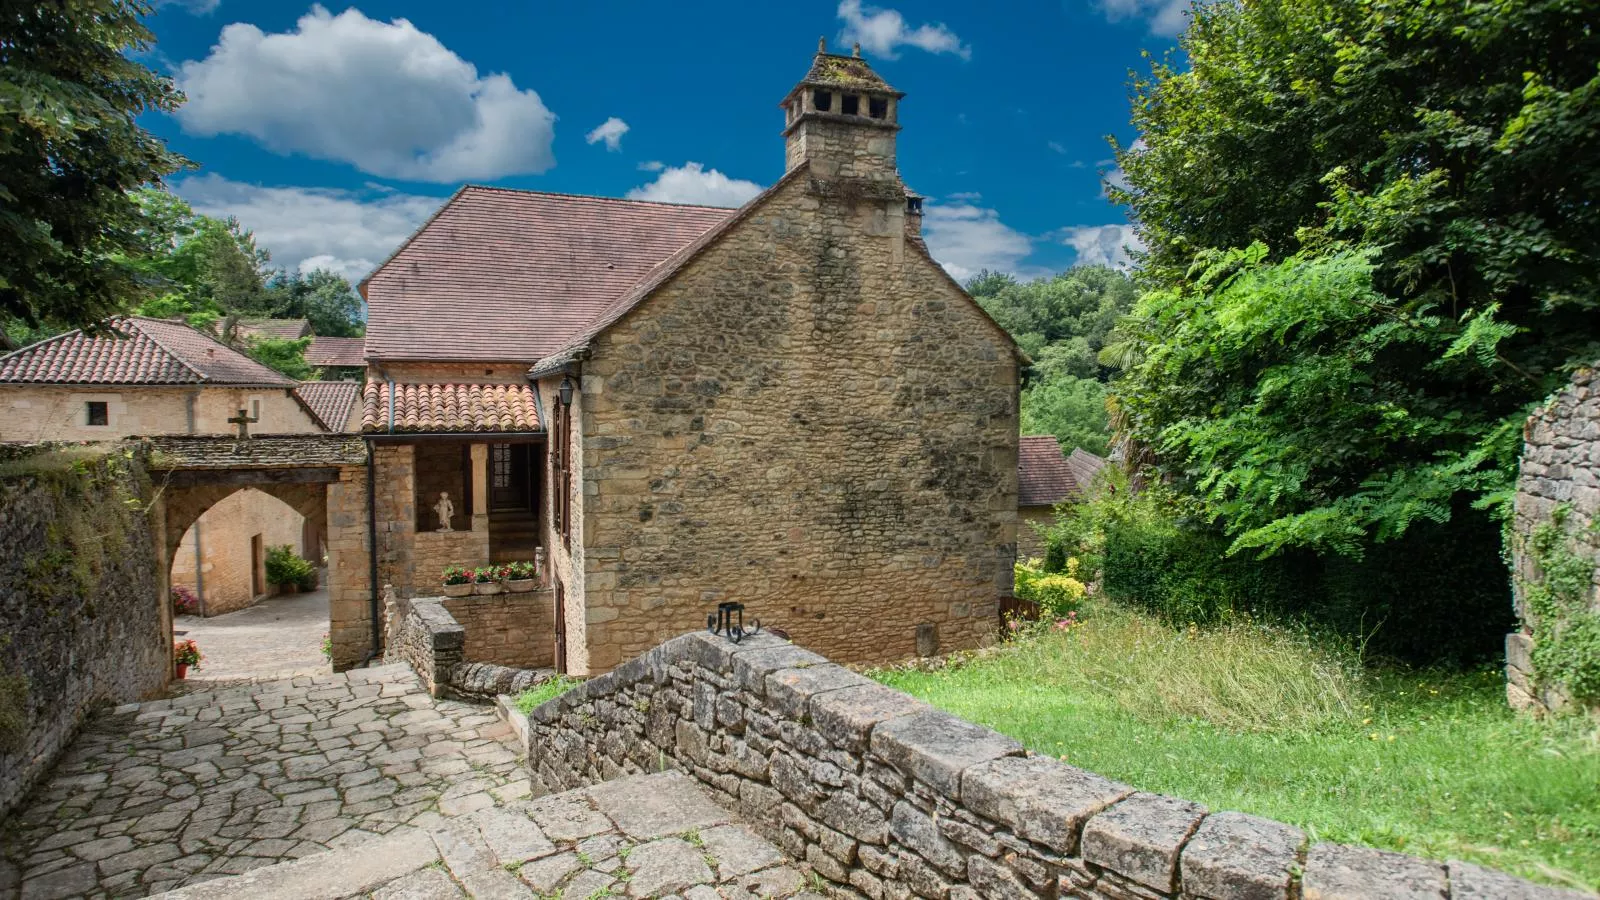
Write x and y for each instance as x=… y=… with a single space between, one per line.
x=1258 y=719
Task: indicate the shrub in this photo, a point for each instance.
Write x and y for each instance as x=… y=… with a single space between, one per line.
x=184 y=601
x=284 y=566
x=457 y=575
x=544 y=692
x=486 y=574
x=523 y=570
x=1056 y=594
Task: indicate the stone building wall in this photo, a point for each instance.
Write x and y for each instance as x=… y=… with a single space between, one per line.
x=441 y=467
x=59 y=413
x=810 y=418
x=1029 y=543
x=883 y=795
x=567 y=559
x=224 y=533
x=349 y=569
x=514 y=630
x=82 y=622
x=1553 y=659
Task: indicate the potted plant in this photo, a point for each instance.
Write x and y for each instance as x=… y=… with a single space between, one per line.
x=521 y=576
x=288 y=570
x=486 y=580
x=184 y=601
x=457 y=582
x=184 y=655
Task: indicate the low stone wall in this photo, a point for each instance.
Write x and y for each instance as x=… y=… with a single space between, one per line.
x=516 y=630
x=450 y=655
x=423 y=635
x=892 y=798
x=83 y=615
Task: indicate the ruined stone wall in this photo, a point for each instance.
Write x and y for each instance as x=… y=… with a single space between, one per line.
x=83 y=617
x=1553 y=659
x=812 y=419
x=515 y=630
x=224 y=533
x=882 y=794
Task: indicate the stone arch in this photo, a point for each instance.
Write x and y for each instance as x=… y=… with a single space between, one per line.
x=185 y=505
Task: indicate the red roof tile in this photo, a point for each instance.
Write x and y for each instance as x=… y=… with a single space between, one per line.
x=511 y=275
x=330 y=402
x=335 y=351
x=152 y=351
x=450 y=408
x=1044 y=475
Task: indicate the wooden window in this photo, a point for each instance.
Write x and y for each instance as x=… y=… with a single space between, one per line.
x=561 y=468
x=96 y=411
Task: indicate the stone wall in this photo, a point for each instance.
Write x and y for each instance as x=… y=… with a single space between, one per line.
x=1553 y=660
x=1029 y=543
x=224 y=532
x=423 y=635
x=885 y=795
x=435 y=551
x=515 y=630
x=810 y=418
x=349 y=569
x=83 y=621
x=50 y=412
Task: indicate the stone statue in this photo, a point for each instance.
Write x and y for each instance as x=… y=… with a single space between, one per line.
x=446 y=510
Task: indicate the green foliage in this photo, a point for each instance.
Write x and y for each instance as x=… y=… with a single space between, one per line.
x=14 y=711
x=285 y=567
x=324 y=298
x=1290 y=727
x=1071 y=408
x=282 y=355
x=1566 y=651
x=544 y=692
x=1056 y=593
x=71 y=91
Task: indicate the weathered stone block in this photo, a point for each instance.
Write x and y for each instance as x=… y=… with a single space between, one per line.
x=917 y=832
x=1233 y=856
x=1470 y=882
x=790 y=691
x=1338 y=872
x=846 y=717
x=752 y=667
x=1139 y=838
x=1040 y=799
x=935 y=748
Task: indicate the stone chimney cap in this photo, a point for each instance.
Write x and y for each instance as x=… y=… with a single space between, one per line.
x=822 y=44
x=855 y=50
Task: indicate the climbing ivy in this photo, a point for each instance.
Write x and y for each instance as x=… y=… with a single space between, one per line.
x=1567 y=650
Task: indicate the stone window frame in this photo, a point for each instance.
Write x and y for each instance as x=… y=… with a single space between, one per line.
x=91 y=408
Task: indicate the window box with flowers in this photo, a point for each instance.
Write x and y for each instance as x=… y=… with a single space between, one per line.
x=457 y=582
x=184 y=655
x=521 y=576
x=486 y=580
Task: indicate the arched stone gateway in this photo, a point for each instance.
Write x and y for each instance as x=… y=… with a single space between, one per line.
x=322 y=477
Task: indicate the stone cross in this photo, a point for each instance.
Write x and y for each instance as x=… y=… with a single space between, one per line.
x=243 y=420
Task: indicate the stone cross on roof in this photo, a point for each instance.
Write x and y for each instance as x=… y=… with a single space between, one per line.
x=244 y=421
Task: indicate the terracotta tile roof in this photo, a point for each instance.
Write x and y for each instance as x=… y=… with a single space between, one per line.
x=335 y=351
x=153 y=351
x=330 y=402
x=1043 y=476
x=277 y=329
x=1085 y=466
x=450 y=408
x=501 y=275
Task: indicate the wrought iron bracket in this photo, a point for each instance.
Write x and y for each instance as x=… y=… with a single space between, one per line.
x=728 y=621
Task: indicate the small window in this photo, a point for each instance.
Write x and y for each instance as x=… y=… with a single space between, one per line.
x=255 y=409
x=877 y=107
x=97 y=412
x=850 y=105
x=823 y=100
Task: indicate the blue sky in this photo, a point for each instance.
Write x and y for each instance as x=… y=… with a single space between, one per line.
x=332 y=131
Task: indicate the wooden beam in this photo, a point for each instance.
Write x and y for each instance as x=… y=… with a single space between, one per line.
x=304 y=475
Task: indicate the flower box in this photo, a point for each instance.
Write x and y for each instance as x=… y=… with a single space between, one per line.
x=457 y=590
x=486 y=588
x=519 y=585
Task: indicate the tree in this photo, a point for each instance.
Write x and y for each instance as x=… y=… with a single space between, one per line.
x=1372 y=244
x=285 y=356
x=1071 y=408
x=72 y=152
x=322 y=297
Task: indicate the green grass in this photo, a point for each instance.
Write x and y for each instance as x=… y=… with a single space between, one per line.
x=1258 y=719
x=545 y=691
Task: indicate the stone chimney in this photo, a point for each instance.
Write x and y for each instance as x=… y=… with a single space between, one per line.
x=842 y=118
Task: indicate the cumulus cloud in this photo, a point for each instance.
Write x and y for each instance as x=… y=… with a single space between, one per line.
x=692 y=182
x=305 y=228
x=1106 y=245
x=1167 y=18
x=383 y=96
x=884 y=31
x=966 y=239
x=610 y=131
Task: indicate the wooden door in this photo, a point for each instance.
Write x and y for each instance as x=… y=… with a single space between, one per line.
x=504 y=492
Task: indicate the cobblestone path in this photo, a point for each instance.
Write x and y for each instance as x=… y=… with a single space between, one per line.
x=642 y=836
x=179 y=791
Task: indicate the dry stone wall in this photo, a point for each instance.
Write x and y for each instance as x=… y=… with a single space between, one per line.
x=492 y=649
x=1553 y=659
x=887 y=797
x=512 y=629
x=83 y=622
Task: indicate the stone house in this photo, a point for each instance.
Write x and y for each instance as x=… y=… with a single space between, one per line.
x=789 y=405
x=165 y=378
x=337 y=358
x=1046 y=477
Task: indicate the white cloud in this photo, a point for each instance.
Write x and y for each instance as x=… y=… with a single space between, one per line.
x=1056 y=147
x=1167 y=18
x=610 y=131
x=692 y=182
x=349 y=232
x=193 y=7
x=652 y=165
x=883 y=31
x=384 y=97
x=1106 y=245
x=967 y=239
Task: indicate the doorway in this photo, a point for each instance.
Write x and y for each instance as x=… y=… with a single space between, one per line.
x=258 y=566
x=508 y=477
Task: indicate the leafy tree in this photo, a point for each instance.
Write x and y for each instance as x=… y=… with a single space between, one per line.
x=322 y=297
x=1415 y=185
x=285 y=356
x=1070 y=407
x=71 y=152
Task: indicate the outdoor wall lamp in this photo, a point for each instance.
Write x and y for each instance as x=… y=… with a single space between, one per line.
x=565 y=390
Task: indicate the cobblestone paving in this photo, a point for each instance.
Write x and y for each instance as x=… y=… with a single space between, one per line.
x=279 y=637
x=644 y=836
x=178 y=791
